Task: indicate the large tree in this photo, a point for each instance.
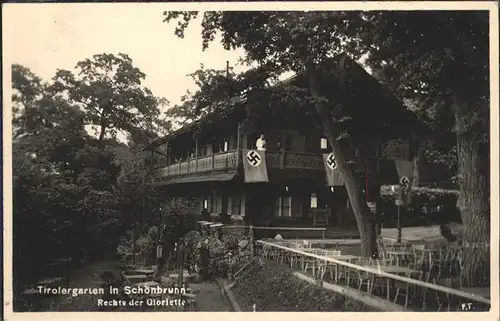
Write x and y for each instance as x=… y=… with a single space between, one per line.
x=109 y=90
x=298 y=42
x=440 y=60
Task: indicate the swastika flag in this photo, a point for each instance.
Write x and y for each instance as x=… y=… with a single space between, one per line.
x=406 y=179
x=254 y=165
x=333 y=177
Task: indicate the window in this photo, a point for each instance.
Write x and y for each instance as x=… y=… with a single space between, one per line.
x=324 y=143
x=226 y=145
x=283 y=206
x=235 y=205
x=217 y=204
x=207 y=203
x=314 y=201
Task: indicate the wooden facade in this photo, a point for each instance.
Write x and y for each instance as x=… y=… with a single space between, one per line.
x=204 y=160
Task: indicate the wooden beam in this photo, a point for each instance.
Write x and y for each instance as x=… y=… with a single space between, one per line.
x=169 y=154
x=238 y=144
x=196 y=153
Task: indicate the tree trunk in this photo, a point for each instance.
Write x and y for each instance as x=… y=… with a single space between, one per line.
x=473 y=202
x=364 y=218
x=103 y=130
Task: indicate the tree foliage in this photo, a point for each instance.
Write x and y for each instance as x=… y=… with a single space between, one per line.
x=109 y=90
x=74 y=195
x=440 y=60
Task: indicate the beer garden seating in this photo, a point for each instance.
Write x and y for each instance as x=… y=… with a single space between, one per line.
x=426 y=263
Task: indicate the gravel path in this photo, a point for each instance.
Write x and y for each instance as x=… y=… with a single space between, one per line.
x=208 y=294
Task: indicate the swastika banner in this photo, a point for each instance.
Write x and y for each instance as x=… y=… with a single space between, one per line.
x=254 y=165
x=405 y=173
x=333 y=177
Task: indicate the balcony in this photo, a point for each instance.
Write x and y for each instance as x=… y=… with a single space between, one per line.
x=221 y=163
x=217 y=162
x=223 y=166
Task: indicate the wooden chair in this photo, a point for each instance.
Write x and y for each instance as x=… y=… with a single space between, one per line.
x=365 y=278
x=405 y=289
x=294 y=258
x=379 y=284
x=443 y=298
x=422 y=292
x=325 y=266
x=312 y=263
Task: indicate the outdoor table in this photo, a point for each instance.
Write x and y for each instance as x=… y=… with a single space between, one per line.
x=394 y=269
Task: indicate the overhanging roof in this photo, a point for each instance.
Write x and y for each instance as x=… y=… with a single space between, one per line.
x=235 y=102
x=220 y=177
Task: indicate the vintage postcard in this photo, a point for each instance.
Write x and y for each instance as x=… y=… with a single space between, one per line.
x=254 y=157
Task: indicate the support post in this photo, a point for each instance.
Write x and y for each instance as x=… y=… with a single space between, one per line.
x=169 y=154
x=378 y=214
x=169 y=157
x=399 y=203
x=282 y=159
x=399 y=225
x=238 y=144
x=196 y=154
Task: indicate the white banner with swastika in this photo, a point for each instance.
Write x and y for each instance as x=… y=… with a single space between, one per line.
x=333 y=176
x=254 y=165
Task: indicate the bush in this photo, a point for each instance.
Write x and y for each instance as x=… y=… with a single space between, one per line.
x=145 y=246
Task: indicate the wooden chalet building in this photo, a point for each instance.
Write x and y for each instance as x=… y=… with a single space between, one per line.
x=206 y=159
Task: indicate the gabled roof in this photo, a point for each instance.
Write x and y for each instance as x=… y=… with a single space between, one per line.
x=393 y=105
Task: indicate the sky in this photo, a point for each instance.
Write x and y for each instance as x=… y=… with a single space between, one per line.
x=45 y=37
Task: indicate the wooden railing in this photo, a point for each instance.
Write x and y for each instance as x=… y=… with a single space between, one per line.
x=457 y=299
x=220 y=161
x=294 y=160
x=228 y=160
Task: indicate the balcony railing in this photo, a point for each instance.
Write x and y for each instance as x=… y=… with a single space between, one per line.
x=228 y=161
x=220 y=161
x=293 y=160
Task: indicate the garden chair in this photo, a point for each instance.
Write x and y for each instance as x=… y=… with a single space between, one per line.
x=407 y=290
x=417 y=262
x=311 y=262
x=294 y=258
x=379 y=284
x=325 y=266
x=443 y=298
x=365 y=279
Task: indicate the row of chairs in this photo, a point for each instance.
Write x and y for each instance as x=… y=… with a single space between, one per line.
x=399 y=292
x=446 y=261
